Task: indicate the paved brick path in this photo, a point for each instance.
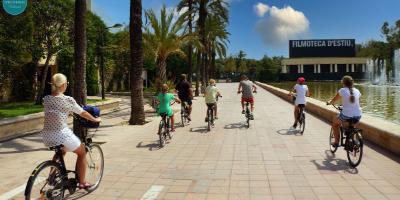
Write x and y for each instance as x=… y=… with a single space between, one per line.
x=230 y=162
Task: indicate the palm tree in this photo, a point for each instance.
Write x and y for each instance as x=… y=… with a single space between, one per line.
x=80 y=56
x=189 y=4
x=217 y=38
x=165 y=37
x=218 y=8
x=136 y=81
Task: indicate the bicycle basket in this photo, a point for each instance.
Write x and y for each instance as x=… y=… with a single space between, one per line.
x=94 y=111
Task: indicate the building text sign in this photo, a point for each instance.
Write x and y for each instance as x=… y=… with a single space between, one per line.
x=322 y=48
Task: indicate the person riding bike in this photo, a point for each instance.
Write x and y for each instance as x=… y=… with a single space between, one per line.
x=210 y=96
x=302 y=92
x=247 y=87
x=351 y=106
x=164 y=99
x=57 y=107
x=185 y=93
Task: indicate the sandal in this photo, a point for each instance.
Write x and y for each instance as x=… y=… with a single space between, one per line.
x=85 y=185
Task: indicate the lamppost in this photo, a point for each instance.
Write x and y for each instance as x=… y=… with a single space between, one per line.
x=102 y=58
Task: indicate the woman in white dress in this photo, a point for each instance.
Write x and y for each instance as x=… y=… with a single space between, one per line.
x=57 y=107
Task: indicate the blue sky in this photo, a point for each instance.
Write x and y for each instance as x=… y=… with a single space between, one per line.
x=279 y=20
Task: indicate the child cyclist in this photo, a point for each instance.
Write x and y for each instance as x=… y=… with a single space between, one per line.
x=210 y=95
x=302 y=92
x=350 y=97
x=164 y=99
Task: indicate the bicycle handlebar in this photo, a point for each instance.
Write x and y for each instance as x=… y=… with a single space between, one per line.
x=336 y=107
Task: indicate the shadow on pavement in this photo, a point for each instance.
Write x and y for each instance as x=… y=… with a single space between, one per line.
x=288 y=132
x=238 y=125
x=24 y=151
x=151 y=146
x=77 y=195
x=333 y=164
x=22 y=144
x=199 y=129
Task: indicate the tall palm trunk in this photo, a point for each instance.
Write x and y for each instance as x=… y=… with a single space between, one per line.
x=80 y=57
x=197 y=93
x=213 y=70
x=202 y=26
x=161 y=72
x=136 y=81
x=190 y=48
x=204 y=68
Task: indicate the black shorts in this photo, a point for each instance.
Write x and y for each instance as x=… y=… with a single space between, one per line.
x=187 y=100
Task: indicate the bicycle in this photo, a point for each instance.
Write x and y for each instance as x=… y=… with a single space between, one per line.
x=301 y=115
x=163 y=129
x=350 y=139
x=184 y=113
x=248 y=113
x=50 y=179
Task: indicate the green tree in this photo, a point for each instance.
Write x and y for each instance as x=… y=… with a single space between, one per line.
x=165 y=37
x=230 y=65
x=15 y=57
x=136 y=81
x=392 y=34
x=374 y=49
x=189 y=4
x=96 y=32
x=51 y=25
x=217 y=38
x=242 y=67
x=241 y=55
x=220 y=12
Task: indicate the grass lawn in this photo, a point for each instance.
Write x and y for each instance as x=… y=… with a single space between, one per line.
x=15 y=109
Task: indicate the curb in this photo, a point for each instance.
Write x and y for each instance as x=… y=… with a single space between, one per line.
x=14 y=127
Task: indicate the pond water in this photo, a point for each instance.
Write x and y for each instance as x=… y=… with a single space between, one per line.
x=379 y=101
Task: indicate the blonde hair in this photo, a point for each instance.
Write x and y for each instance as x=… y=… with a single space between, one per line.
x=165 y=88
x=212 y=81
x=57 y=81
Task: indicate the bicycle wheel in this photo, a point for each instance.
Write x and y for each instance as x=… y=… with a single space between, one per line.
x=183 y=119
x=331 y=140
x=354 y=144
x=161 y=134
x=95 y=166
x=302 y=122
x=167 y=132
x=209 y=118
x=45 y=182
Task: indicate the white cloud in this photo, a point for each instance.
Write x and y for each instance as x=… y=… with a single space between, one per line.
x=281 y=25
x=260 y=9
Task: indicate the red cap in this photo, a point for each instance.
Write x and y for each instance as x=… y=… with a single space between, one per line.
x=301 y=80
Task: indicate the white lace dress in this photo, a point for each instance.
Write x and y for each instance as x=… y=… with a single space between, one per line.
x=55 y=131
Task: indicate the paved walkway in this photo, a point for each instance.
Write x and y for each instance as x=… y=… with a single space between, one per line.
x=230 y=162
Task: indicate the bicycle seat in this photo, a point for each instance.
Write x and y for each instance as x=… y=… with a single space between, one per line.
x=210 y=105
x=56 y=148
x=163 y=114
